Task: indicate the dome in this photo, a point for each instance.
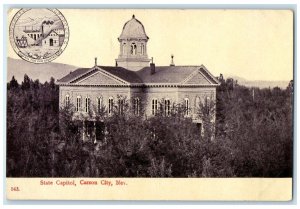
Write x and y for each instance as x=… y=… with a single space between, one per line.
x=133 y=29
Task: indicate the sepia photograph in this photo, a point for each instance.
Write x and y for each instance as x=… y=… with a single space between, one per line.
x=149 y=93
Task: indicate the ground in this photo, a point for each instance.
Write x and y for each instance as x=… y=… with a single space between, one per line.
x=38 y=52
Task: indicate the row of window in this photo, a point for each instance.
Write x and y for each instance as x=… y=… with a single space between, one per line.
x=167 y=107
x=133 y=49
x=35 y=36
x=136 y=105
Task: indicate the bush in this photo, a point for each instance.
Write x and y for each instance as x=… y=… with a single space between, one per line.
x=251 y=136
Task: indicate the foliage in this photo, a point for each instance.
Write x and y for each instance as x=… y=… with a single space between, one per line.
x=248 y=134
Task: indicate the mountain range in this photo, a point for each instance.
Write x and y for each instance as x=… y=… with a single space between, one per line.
x=35 y=22
x=259 y=83
x=43 y=72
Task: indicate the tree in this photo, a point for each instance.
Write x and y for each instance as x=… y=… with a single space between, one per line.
x=13 y=84
x=26 y=83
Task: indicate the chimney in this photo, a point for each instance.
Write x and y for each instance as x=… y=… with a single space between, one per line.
x=152 y=66
x=95 y=61
x=172 y=60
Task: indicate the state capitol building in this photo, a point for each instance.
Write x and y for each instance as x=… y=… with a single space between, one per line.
x=136 y=79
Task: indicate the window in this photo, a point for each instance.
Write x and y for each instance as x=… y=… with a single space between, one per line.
x=67 y=100
x=110 y=105
x=154 y=106
x=142 y=49
x=186 y=106
x=197 y=104
x=99 y=103
x=133 y=49
x=124 y=48
x=136 y=106
x=167 y=107
x=208 y=99
x=207 y=104
x=78 y=103
x=121 y=106
x=199 y=126
x=87 y=104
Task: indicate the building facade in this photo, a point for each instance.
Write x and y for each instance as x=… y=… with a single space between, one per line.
x=137 y=81
x=46 y=35
x=53 y=39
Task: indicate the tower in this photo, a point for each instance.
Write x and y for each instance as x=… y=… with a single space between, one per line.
x=46 y=27
x=133 y=46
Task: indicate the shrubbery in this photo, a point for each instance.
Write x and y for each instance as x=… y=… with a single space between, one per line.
x=254 y=138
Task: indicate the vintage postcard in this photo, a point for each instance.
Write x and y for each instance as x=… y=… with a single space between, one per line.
x=149 y=104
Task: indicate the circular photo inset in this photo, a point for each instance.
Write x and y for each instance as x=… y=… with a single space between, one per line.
x=39 y=35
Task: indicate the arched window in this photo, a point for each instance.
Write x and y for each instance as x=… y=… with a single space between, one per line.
x=207 y=104
x=133 y=49
x=197 y=104
x=142 y=49
x=99 y=104
x=167 y=107
x=154 y=106
x=67 y=100
x=78 y=103
x=186 y=106
x=110 y=105
x=121 y=105
x=208 y=99
x=87 y=104
x=136 y=106
x=124 y=49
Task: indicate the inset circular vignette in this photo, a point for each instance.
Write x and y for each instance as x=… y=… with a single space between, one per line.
x=39 y=35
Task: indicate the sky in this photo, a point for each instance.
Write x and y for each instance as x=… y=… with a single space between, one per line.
x=252 y=44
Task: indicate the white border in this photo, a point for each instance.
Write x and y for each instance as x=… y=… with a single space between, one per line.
x=247 y=3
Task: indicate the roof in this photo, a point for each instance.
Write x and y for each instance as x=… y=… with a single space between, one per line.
x=133 y=29
x=166 y=74
x=162 y=75
x=126 y=75
x=120 y=72
x=72 y=75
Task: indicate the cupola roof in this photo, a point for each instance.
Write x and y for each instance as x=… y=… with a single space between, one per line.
x=133 y=29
